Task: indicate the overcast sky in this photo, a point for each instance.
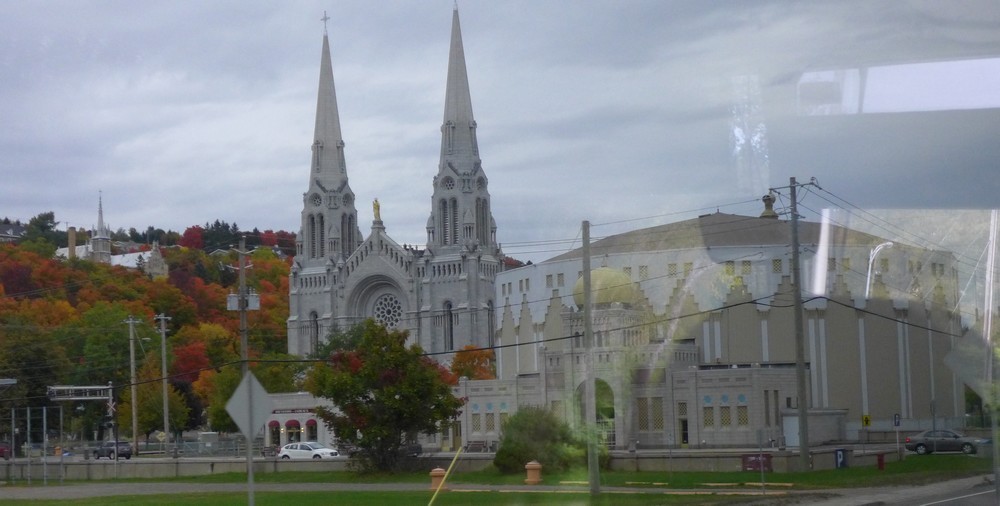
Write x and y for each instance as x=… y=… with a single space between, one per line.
x=185 y=112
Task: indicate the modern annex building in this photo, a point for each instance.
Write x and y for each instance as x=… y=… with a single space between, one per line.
x=694 y=340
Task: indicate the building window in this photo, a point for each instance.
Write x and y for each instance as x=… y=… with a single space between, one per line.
x=642 y=412
x=745 y=268
x=672 y=270
x=730 y=268
x=776 y=266
x=831 y=264
x=845 y=264
x=643 y=272
x=477 y=423
x=688 y=268
x=491 y=422
x=560 y=279
x=548 y=281
x=313 y=332
x=708 y=416
x=682 y=409
x=627 y=271
x=503 y=419
x=656 y=415
x=725 y=416
x=449 y=327
x=388 y=311
x=742 y=416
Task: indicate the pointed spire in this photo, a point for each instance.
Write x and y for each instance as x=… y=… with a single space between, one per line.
x=459 y=125
x=328 y=144
x=101 y=231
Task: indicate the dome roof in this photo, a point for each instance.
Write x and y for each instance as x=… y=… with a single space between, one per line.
x=607 y=286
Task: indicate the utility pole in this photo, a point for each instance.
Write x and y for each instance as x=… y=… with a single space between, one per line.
x=805 y=460
x=163 y=372
x=800 y=339
x=244 y=361
x=131 y=321
x=590 y=388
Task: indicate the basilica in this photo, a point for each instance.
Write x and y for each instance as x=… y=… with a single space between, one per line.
x=442 y=294
x=693 y=321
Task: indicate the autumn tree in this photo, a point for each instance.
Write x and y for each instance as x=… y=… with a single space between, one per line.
x=384 y=393
x=474 y=363
x=193 y=237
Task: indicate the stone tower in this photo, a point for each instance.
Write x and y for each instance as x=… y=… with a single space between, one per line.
x=329 y=230
x=463 y=256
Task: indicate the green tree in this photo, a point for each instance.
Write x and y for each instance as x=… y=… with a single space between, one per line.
x=535 y=433
x=149 y=410
x=384 y=392
x=31 y=356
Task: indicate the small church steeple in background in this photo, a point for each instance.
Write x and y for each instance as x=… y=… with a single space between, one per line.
x=100 y=241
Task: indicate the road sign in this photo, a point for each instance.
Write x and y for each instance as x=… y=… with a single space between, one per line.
x=895 y=420
x=866 y=420
x=249 y=406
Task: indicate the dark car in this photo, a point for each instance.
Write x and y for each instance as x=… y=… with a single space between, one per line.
x=942 y=440
x=107 y=449
x=5 y=452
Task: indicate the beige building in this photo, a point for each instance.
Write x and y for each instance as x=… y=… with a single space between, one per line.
x=695 y=344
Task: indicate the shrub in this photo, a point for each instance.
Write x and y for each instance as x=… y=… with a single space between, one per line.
x=535 y=433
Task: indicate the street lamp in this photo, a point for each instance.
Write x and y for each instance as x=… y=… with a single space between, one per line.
x=871 y=262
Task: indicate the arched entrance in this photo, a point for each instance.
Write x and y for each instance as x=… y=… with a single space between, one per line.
x=605 y=409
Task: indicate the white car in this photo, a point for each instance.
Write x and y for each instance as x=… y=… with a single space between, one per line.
x=306 y=450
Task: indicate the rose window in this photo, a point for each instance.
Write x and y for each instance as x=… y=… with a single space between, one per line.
x=388 y=311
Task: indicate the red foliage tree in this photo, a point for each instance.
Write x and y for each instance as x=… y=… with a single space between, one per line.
x=194 y=237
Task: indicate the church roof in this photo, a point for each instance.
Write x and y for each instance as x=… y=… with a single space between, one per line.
x=719 y=230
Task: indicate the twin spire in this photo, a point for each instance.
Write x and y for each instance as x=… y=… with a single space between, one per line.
x=460 y=212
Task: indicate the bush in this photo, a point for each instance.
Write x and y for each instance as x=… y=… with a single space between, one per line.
x=535 y=433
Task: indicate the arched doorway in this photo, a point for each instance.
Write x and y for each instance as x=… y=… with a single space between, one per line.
x=605 y=409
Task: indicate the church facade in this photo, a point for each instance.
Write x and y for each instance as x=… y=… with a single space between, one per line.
x=442 y=294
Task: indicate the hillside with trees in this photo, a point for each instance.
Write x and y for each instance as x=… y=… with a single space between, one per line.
x=62 y=322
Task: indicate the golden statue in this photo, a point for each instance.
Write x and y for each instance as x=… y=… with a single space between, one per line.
x=376 y=208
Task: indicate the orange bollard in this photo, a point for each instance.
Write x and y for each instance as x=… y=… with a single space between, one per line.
x=534 y=470
x=437 y=476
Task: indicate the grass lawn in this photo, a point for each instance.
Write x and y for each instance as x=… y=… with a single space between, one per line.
x=478 y=498
x=912 y=471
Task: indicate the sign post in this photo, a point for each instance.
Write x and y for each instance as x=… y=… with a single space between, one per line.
x=895 y=425
x=249 y=407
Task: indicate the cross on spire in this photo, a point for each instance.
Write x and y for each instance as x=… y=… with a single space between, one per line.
x=324 y=19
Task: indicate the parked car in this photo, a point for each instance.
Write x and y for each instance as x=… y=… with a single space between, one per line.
x=107 y=449
x=942 y=440
x=307 y=450
x=5 y=451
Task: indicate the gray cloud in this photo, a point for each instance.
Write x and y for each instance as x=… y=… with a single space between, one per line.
x=183 y=113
